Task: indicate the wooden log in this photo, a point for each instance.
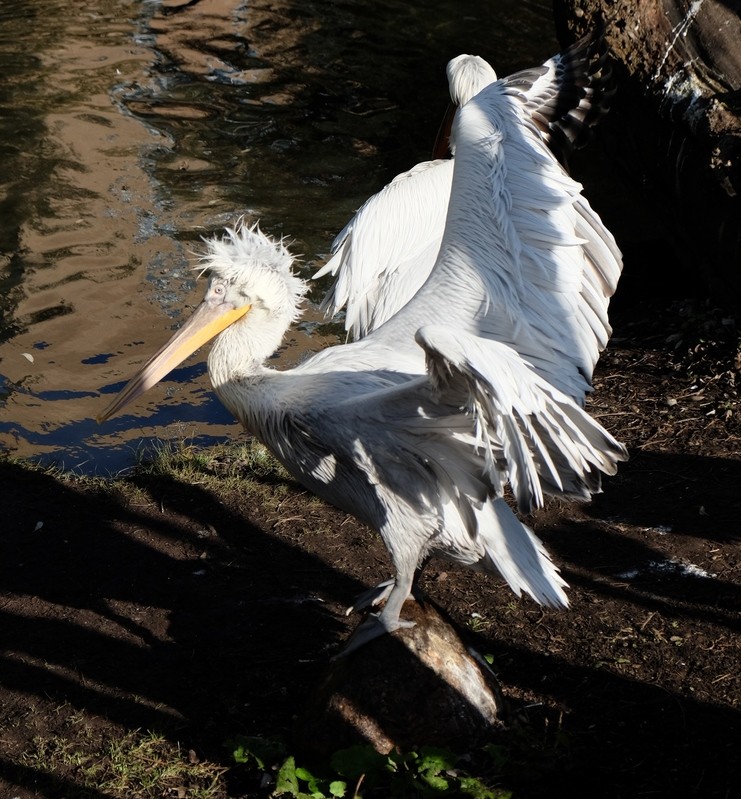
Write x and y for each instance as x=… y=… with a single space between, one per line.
x=676 y=118
x=420 y=686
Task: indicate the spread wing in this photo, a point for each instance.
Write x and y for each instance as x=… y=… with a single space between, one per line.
x=524 y=260
x=385 y=253
x=499 y=343
x=529 y=432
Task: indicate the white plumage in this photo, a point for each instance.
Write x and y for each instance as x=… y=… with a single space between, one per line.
x=386 y=251
x=460 y=381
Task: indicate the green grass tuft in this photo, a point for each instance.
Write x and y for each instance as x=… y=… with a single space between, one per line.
x=135 y=766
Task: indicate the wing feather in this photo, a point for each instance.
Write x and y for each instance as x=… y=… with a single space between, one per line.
x=384 y=254
x=519 y=233
x=568 y=94
x=531 y=434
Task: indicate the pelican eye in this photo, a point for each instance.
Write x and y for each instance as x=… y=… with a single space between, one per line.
x=218 y=289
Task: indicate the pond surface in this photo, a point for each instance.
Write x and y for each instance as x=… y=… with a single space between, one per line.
x=131 y=129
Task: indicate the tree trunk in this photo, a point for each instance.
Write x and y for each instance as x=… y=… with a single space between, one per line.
x=676 y=121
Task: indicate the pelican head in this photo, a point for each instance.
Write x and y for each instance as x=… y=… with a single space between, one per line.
x=467 y=76
x=251 y=298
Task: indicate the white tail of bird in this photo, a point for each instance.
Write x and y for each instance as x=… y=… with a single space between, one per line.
x=513 y=550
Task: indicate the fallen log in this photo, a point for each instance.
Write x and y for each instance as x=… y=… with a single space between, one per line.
x=419 y=686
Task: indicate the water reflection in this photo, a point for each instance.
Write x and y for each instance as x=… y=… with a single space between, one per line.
x=131 y=129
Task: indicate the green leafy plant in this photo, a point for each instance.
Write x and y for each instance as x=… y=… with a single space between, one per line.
x=427 y=773
x=251 y=750
x=291 y=779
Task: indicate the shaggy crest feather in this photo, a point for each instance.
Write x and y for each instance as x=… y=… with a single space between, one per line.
x=244 y=250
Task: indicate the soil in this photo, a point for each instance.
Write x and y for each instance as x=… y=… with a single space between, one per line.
x=163 y=605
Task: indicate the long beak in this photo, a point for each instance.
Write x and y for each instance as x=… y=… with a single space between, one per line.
x=207 y=321
x=441 y=148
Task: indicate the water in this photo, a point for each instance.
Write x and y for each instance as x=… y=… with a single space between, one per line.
x=130 y=129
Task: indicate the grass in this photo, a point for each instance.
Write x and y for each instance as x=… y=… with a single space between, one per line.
x=243 y=466
x=149 y=765
x=223 y=467
x=246 y=467
x=137 y=765
x=93 y=761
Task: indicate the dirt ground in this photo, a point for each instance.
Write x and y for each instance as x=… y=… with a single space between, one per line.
x=164 y=605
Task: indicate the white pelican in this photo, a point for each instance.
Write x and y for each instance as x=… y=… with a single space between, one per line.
x=386 y=251
x=477 y=381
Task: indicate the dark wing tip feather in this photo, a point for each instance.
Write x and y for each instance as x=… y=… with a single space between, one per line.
x=570 y=93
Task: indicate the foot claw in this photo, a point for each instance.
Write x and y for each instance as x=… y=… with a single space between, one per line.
x=372 y=597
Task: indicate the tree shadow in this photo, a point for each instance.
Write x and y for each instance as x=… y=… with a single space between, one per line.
x=162 y=610
x=166 y=609
x=666 y=527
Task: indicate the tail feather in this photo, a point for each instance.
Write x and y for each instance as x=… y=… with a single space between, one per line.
x=512 y=549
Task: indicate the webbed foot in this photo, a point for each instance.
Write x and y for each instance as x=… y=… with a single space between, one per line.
x=374 y=626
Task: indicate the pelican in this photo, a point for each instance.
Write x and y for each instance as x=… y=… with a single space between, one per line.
x=386 y=251
x=477 y=381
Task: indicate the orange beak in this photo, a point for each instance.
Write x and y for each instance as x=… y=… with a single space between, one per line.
x=208 y=320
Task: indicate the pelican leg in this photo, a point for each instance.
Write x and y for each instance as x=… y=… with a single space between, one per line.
x=378 y=624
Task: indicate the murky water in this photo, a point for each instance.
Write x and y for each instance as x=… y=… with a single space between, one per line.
x=130 y=129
